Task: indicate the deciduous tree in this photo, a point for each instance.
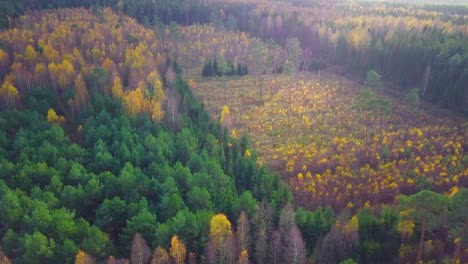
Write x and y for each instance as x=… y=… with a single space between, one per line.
x=243 y=257
x=178 y=251
x=243 y=232
x=160 y=256
x=141 y=253
x=53 y=118
x=83 y=258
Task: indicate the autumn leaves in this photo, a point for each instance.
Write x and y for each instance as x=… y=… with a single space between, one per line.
x=334 y=155
x=79 y=55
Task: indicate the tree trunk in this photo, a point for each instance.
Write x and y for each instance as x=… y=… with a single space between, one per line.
x=456 y=257
x=421 y=242
x=261 y=90
x=426 y=80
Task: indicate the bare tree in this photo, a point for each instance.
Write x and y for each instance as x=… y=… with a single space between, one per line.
x=160 y=256
x=210 y=252
x=295 y=247
x=262 y=223
x=287 y=220
x=230 y=250
x=141 y=253
x=243 y=231
x=192 y=258
x=112 y=260
x=291 y=238
x=276 y=247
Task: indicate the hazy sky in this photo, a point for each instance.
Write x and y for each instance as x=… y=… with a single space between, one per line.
x=451 y=2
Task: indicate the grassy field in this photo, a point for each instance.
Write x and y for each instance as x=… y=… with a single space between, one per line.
x=305 y=127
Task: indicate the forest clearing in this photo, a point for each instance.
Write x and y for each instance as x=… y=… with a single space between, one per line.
x=329 y=152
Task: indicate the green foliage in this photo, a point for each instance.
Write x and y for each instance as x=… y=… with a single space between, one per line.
x=348 y=261
x=293 y=53
x=199 y=198
x=128 y=176
x=37 y=247
x=314 y=225
x=95 y=242
x=144 y=223
x=100 y=78
x=373 y=81
x=371 y=236
x=458 y=213
x=246 y=203
x=426 y=208
x=213 y=68
x=9 y=10
x=367 y=101
x=412 y=100
x=40 y=100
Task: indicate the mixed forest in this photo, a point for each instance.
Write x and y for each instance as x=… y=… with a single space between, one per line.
x=225 y=131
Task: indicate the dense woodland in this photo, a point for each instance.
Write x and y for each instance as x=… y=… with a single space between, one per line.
x=411 y=47
x=106 y=156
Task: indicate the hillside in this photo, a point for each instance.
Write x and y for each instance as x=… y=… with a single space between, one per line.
x=308 y=129
x=132 y=169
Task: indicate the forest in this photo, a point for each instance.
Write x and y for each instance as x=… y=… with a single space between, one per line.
x=224 y=131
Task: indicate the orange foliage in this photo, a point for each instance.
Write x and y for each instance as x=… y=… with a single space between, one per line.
x=178 y=250
x=66 y=63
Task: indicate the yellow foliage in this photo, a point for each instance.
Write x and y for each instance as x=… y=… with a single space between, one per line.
x=178 y=251
x=30 y=54
x=66 y=72
x=454 y=190
x=157 y=113
x=117 y=88
x=319 y=131
x=406 y=228
x=51 y=54
x=8 y=90
x=225 y=117
x=134 y=102
x=234 y=134
x=220 y=228
x=155 y=84
x=108 y=65
x=40 y=69
x=83 y=258
x=409 y=143
x=243 y=257
x=300 y=176
x=53 y=118
x=353 y=224
x=247 y=153
x=405 y=250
